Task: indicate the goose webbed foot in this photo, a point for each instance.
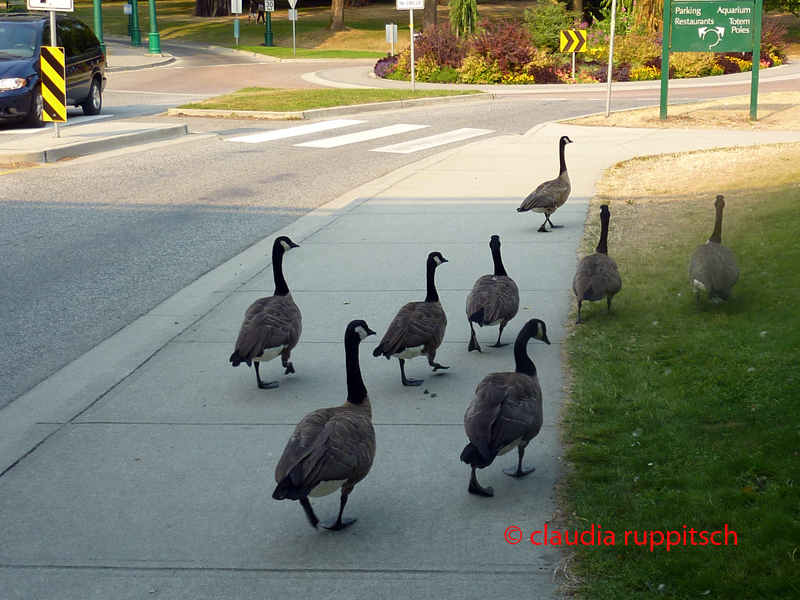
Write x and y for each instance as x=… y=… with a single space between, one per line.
x=437 y=366
x=473 y=340
x=477 y=489
x=518 y=471
x=543 y=229
x=264 y=385
x=406 y=380
x=289 y=368
x=337 y=524
x=547 y=220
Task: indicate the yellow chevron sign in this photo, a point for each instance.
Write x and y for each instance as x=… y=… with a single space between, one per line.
x=573 y=40
x=54 y=84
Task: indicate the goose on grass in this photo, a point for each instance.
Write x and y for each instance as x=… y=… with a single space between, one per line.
x=597 y=275
x=713 y=267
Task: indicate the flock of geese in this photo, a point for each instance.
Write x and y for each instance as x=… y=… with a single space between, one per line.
x=334 y=448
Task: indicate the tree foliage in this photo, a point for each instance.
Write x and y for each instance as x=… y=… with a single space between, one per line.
x=463 y=14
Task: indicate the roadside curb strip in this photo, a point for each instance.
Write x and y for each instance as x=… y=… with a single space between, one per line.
x=318 y=113
x=83 y=147
x=166 y=59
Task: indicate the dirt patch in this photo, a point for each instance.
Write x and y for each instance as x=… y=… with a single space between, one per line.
x=777 y=110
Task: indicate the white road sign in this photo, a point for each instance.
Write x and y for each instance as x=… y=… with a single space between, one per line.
x=410 y=4
x=58 y=5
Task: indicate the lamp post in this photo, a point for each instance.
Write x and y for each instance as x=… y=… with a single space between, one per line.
x=136 y=32
x=155 y=38
x=98 y=24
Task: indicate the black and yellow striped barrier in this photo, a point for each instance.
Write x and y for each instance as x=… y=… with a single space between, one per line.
x=54 y=84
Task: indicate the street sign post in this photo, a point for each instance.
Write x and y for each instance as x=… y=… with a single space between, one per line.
x=56 y=5
x=236 y=9
x=293 y=19
x=572 y=40
x=712 y=26
x=411 y=6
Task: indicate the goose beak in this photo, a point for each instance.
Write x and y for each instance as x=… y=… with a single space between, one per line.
x=293 y=245
x=370 y=332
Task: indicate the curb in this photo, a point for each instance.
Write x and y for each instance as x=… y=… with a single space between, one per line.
x=94 y=146
x=165 y=60
x=318 y=113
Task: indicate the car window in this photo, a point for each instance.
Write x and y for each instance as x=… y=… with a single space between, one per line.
x=83 y=38
x=46 y=37
x=66 y=36
x=17 y=40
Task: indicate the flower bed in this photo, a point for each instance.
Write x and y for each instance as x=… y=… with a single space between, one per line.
x=524 y=52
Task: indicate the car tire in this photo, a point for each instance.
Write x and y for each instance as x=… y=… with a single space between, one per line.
x=94 y=101
x=35 y=116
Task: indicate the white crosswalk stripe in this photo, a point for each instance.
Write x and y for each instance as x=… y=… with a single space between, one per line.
x=457 y=135
x=280 y=134
x=362 y=136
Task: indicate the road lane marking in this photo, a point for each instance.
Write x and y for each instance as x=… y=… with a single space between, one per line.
x=268 y=136
x=363 y=136
x=457 y=135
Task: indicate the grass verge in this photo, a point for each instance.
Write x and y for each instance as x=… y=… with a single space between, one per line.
x=280 y=100
x=679 y=418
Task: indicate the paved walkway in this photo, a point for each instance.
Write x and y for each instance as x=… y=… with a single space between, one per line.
x=145 y=468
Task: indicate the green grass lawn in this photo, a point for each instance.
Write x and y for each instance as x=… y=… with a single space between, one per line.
x=279 y=100
x=685 y=418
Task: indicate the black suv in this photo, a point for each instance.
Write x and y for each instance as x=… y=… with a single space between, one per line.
x=21 y=39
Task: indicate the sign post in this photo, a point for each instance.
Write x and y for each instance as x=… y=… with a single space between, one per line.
x=52 y=67
x=572 y=40
x=236 y=9
x=611 y=56
x=411 y=6
x=293 y=19
x=269 y=8
x=391 y=35
x=712 y=26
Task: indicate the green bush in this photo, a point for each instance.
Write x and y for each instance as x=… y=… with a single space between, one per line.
x=546 y=20
x=444 y=75
x=635 y=49
x=478 y=69
x=694 y=64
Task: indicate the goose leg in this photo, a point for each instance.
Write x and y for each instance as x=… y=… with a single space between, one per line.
x=264 y=385
x=309 y=512
x=339 y=522
x=547 y=220
x=544 y=229
x=697 y=297
x=499 y=335
x=477 y=489
x=519 y=471
x=609 y=304
x=406 y=380
x=579 y=312
x=436 y=366
x=285 y=355
x=473 y=340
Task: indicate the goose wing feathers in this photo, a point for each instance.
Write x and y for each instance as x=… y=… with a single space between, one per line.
x=506 y=407
x=597 y=277
x=497 y=295
x=269 y=322
x=416 y=324
x=548 y=194
x=328 y=444
x=714 y=266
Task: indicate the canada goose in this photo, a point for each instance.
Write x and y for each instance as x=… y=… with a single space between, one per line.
x=552 y=194
x=331 y=448
x=271 y=325
x=713 y=267
x=597 y=276
x=417 y=328
x=494 y=299
x=506 y=412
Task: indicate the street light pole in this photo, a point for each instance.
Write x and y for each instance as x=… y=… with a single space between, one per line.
x=136 y=32
x=155 y=38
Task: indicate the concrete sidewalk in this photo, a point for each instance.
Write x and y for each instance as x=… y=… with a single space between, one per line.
x=145 y=468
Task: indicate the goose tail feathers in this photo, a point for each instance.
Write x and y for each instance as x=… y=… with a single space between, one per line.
x=237 y=359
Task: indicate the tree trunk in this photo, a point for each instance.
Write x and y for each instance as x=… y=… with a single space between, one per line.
x=211 y=8
x=429 y=15
x=337 y=16
x=577 y=6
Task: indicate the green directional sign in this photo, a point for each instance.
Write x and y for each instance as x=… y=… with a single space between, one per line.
x=712 y=26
